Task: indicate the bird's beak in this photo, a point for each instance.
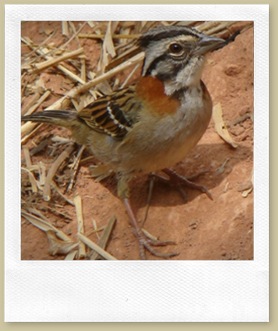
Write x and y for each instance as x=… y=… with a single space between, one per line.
x=208 y=43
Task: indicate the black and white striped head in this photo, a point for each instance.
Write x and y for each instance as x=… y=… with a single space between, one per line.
x=169 y=49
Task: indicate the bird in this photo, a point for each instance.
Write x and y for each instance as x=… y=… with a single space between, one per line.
x=151 y=125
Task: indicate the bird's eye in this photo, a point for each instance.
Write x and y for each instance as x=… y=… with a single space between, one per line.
x=175 y=48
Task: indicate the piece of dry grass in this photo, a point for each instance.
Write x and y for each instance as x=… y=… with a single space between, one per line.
x=113 y=36
x=36 y=67
x=95 y=247
x=59 y=247
x=52 y=171
x=108 y=48
x=63 y=196
x=29 y=165
x=80 y=224
x=221 y=127
x=247 y=187
x=75 y=167
x=34 y=98
x=74 y=35
x=103 y=240
x=45 y=226
x=28 y=127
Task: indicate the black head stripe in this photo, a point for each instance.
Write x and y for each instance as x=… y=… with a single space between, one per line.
x=165 y=32
x=154 y=63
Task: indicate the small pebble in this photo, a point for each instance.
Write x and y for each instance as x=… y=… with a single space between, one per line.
x=232 y=70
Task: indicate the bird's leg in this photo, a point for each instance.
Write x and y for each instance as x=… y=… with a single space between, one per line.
x=145 y=243
x=150 y=192
x=181 y=180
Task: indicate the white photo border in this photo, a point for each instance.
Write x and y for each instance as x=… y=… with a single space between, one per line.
x=136 y=291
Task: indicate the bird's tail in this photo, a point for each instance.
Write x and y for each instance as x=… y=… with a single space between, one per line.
x=65 y=118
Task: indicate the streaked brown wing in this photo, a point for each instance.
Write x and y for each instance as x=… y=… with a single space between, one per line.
x=114 y=115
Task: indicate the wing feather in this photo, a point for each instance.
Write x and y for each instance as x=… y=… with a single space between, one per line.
x=114 y=115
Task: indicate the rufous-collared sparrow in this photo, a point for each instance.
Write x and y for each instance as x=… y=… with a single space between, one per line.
x=152 y=125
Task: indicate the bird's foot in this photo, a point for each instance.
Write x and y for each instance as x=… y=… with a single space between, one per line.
x=145 y=242
x=179 y=181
